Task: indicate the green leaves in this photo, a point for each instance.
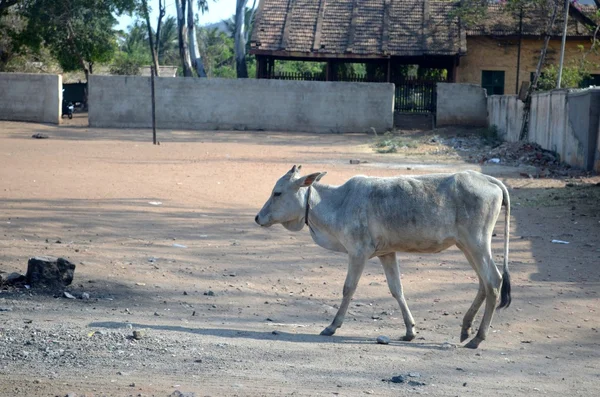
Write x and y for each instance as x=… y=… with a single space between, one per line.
x=78 y=33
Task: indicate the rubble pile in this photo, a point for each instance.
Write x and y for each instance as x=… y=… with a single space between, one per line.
x=516 y=153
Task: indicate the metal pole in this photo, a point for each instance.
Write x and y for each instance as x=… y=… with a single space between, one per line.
x=563 y=44
x=153 y=105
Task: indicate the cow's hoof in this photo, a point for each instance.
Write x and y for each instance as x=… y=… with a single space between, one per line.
x=407 y=338
x=474 y=343
x=328 y=332
x=464 y=336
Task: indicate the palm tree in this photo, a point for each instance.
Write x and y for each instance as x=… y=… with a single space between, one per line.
x=167 y=42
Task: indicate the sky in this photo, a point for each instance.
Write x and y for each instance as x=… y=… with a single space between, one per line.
x=217 y=11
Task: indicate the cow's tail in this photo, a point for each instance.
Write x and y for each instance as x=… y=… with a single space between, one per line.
x=505 y=290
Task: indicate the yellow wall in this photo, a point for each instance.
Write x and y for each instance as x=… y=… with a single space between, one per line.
x=485 y=53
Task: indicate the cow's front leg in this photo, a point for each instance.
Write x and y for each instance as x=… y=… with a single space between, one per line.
x=356 y=265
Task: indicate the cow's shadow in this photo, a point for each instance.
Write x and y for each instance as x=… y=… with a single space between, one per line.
x=270 y=336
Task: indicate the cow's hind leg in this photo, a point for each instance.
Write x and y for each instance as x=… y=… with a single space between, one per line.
x=477 y=302
x=392 y=273
x=492 y=280
x=356 y=265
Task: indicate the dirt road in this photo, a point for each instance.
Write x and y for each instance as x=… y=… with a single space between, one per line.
x=164 y=242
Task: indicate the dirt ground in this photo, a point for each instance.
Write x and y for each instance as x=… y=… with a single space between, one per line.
x=165 y=243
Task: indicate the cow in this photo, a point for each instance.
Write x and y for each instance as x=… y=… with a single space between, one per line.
x=370 y=217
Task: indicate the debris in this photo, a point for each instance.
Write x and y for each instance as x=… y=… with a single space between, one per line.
x=560 y=242
x=85 y=296
x=49 y=272
x=140 y=284
x=6 y=309
x=383 y=340
x=416 y=383
x=40 y=136
x=68 y=295
x=177 y=393
x=447 y=346
x=154 y=203
x=11 y=278
x=414 y=374
x=495 y=160
x=179 y=246
x=397 y=379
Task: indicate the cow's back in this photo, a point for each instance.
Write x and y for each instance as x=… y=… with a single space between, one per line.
x=418 y=213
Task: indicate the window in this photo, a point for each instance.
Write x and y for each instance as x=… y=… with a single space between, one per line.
x=593 y=79
x=493 y=81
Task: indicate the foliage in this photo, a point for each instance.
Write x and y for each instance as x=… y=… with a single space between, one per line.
x=78 y=33
x=390 y=143
x=216 y=49
x=573 y=76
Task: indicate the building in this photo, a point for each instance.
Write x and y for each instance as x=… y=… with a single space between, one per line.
x=504 y=49
x=498 y=52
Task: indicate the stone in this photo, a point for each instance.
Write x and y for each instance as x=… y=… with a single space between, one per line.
x=398 y=379
x=85 y=296
x=137 y=335
x=177 y=393
x=11 y=278
x=383 y=340
x=49 y=272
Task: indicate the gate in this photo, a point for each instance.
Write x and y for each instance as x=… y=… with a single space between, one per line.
x=415 y=96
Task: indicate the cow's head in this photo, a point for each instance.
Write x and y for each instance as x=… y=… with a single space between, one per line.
x=287 y=204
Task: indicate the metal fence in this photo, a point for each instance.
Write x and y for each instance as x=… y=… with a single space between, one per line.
x=415 y=96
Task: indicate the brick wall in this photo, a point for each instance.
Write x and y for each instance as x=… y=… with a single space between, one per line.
x=485 y=53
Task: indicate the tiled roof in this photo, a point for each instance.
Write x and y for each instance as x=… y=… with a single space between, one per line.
x=499 y=22
x=360 y=27
x=385 y=27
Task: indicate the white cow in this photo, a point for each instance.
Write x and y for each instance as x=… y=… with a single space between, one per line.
x=367 y=217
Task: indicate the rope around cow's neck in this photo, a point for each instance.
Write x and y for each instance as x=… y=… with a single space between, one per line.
x=307 y=206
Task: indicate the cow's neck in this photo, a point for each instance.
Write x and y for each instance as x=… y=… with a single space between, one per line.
x=323 y=204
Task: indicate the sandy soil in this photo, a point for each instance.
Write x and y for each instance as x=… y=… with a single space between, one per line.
x=238 y=309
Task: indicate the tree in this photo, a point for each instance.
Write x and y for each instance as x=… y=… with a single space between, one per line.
x=184 y=52
x=145 y=12
x=240 y=26
x=167 y=42
x=188 y=44
x=193 y=38
x=78 y=33
x=6 y=4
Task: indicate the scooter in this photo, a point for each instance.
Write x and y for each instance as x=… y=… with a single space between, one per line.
x=67 y=109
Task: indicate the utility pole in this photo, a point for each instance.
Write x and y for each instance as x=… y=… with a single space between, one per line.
x=563 y=44
x=519 y=48
x=152 y=72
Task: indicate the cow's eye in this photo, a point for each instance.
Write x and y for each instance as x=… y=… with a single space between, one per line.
x=277 y=194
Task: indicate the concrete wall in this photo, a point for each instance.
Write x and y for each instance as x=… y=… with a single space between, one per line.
x=506 y=113
x=461 y=104
x=564 y=121
x=30 y=97
x=187 y=103
x=487 y=53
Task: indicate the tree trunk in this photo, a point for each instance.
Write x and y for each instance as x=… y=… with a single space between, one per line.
x=184 y=52
x=155 y=70
x=527 y=106
x=161 y=14
x=240 y=39
x=194 y=51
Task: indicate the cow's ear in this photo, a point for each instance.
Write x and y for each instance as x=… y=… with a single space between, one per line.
x=294 y=169
x=310 y=179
